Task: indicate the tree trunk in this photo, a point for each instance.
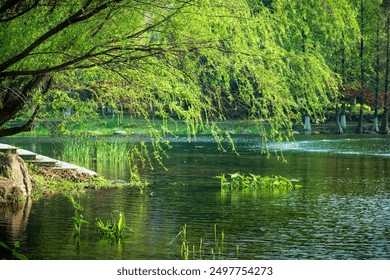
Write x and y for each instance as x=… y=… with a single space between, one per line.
x=25 y=127
x=340 y=125
x=14 y=99
x=307 y=124
x=343 y=121
x=339 y=128
x=359 y=128
x=377 y=69
x=375 y=125
x=385 y=117
x=15 y=102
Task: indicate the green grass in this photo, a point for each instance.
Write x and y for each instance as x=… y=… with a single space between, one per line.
x=104 y=126
x=46 y=187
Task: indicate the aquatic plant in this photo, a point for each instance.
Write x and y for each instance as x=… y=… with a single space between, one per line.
x=112 y=229
x=240 y=182
x=78 y=221
x=201 y=251
x=88 y=151
x=13 y=251
x=85 y=150
x=79 y=150
x=184 y=250
x=115 y=151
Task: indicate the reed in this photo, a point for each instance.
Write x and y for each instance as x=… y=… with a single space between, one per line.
x=50 y=184
x=184 y=250
x=202 y=250
x=114 y=152
x=117 y=153
x=85 y=150
x=79 y=151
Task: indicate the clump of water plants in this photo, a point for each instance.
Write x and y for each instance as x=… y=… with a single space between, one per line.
x=252 y=182
x=112 y=229
x=85 y=150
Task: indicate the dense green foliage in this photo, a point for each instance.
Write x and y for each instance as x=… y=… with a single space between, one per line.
x=252 y=182
x=197 y=61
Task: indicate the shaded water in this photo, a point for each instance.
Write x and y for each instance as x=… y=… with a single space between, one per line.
x=341 y=212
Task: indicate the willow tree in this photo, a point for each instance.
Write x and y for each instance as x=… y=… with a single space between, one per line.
x=316 y=34
x=62 y=43
x=147 y=53
x=171 y=59
x=376 y=53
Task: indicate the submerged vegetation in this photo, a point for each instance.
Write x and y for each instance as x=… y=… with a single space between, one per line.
x=252 y=182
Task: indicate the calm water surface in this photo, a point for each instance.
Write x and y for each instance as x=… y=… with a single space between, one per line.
x=342 y=210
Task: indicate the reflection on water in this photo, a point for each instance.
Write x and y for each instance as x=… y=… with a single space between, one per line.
x=13 y=223
x=16 y=218
x=341 y=146
x=342 y=211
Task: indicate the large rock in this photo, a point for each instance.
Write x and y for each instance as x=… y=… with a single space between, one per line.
x=15 y=181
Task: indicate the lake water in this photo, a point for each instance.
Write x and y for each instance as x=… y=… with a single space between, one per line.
x=342 y=210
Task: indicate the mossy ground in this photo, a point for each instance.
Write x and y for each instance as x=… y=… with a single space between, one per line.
x=50 y=181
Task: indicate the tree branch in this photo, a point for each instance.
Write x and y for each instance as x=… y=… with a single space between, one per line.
x=8 y=5
x=92 y=56
x=79 y=16
x=28 y=126
x=159 y=22
x=15 y=102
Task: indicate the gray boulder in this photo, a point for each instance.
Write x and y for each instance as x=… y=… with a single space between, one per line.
x=15 y=181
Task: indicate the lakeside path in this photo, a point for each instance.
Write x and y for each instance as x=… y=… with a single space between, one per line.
x=42 y=160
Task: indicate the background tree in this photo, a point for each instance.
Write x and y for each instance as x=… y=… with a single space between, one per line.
x=362 y=22
x=385 y=117
x=327 y=29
